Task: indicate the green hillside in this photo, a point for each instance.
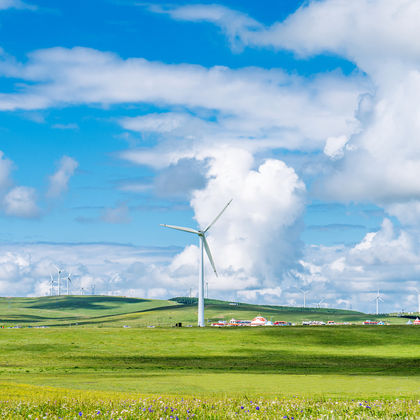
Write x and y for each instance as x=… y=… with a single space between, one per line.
x=112 y=311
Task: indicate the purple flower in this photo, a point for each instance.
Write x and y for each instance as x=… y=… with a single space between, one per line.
x=80 y=414
x=257 y=408
x=242 y=407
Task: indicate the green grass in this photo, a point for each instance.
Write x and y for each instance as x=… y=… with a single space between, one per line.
x=23 y=402
x=86 y=362
x=322 y=361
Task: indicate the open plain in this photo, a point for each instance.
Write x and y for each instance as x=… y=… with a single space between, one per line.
x=98 y=357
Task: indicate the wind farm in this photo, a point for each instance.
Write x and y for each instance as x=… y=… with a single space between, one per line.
x=209 y=209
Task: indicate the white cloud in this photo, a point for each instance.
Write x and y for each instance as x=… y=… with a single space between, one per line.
x=21 y=202
x=16 y=4
x=257 y=239
x=381 y=155
x=234 y=24
x=387 y=260
x=58 y=182
x=342 y=27
x=278 y=109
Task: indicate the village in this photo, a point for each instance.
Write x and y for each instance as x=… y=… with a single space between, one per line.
x=260 y=321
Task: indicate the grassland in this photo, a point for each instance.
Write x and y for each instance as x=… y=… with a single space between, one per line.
x=322 y=361
x=85 y=355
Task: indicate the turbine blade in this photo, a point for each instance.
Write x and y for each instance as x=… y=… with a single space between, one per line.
x=207 y=248
x=182 y=228
x=217 y=217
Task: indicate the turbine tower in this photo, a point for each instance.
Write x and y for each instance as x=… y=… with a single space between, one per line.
x=59 y=271
x=203 y=245
x=51 y=285
x=305 y=292
x=378 y=299
x=68 y=282
x=418 y=300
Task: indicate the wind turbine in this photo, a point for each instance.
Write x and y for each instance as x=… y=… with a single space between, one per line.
x=203 y=245
x=59 y=271
x=378 y=299
x=418 y=299
x=68 y=281
x=51 y=285
x=319 y=303
x=305 y=292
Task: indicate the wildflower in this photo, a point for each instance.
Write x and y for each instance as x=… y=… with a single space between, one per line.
x=80 y=414
x=257 y=408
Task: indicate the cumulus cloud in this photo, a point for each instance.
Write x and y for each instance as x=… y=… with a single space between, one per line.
x=59 y=180
x=378 y=159
x=387 y=259
x=257 y=239
x=21 y=202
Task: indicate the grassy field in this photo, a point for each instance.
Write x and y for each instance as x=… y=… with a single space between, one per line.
x=108 y=311
x=78 y=364
x=322 y=361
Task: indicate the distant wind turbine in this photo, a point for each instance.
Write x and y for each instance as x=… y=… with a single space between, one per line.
x=378 y=299
x=319 y=303
x=59 y=271
x=305 y=292
x=51 y=285
x=203 y=245
x=418 y=300
x=68 y=282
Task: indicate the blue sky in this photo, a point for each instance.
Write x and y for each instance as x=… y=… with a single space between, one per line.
x=116 y=116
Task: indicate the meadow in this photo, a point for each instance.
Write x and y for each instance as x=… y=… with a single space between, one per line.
x=299 y=372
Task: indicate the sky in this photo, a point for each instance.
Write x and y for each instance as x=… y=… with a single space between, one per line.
x=119 y=115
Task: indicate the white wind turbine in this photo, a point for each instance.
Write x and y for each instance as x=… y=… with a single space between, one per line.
x=378 y=299
x=418 y=299
x=51 y=285
x=203 y=245
x=68 y=282
x=59 y=271
x=319 y=303
x=305 y=292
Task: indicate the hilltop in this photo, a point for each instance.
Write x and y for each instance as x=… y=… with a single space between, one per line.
x=113 y=311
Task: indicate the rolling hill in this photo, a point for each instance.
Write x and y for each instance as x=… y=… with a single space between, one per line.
x=113 y=311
